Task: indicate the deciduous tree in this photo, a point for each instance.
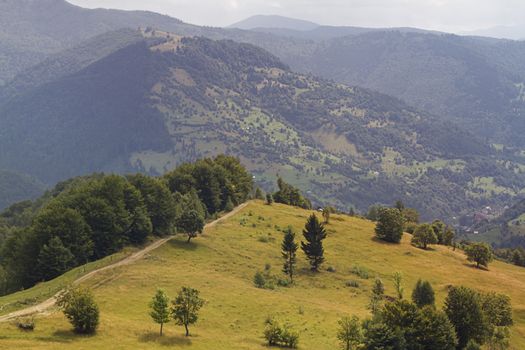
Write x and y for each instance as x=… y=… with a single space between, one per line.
x=423 y=236
x=390 y=225
x=185 y=309
x=350 y=333
x=480 y=253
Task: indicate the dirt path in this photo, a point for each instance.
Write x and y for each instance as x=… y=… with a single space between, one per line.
x=49 y=303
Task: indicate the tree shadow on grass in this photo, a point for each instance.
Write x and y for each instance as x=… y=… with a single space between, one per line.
x=380 y=241
x=166 y=340
x=182 y=244
x=473 y=266
x=64 y=336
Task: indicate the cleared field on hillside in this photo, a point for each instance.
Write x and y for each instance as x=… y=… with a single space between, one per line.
x=221 y=264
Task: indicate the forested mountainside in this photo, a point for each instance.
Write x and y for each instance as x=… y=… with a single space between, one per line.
x=477 y=83
x=16 y=187
x=194 y=97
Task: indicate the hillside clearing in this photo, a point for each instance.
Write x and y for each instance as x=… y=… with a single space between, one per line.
x=221 y=264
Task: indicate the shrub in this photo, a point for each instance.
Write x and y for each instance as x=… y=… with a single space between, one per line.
x=26 y=323
x=330 y=269
x=352 y=283
x=277 y=334
x=263 y=280
x=258 y=280
x=80 y=309
x=360 y=271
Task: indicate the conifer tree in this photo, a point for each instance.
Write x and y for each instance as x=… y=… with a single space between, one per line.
x=378 y=292
x=159 y=306
x=289 y=253
x=423 y=294
x=314 y=234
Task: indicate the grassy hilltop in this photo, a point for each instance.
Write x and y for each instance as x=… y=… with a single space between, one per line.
x=221 y=264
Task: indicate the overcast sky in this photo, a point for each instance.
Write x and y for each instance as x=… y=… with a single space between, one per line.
x=446 y=15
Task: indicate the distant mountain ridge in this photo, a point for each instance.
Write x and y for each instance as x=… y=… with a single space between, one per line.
x=274 y=21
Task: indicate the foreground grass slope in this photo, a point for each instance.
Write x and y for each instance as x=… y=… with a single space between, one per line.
x=221 y=264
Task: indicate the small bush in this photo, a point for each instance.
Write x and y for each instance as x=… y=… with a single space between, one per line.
x=263 y=239
x=283 y=282
x=330 y=269
x=258 y=280
x=352 y=283
x=360 y=271
x=263 y=281
x=280 y=335
x=26 y=323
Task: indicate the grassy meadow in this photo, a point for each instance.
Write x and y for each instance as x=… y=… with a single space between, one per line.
x=222 y=263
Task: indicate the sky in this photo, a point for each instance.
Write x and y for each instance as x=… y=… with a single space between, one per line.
x=445 y=15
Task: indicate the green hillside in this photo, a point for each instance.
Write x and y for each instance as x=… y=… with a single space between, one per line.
x=222 y=263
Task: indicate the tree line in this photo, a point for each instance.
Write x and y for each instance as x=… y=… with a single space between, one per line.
x=88 y=218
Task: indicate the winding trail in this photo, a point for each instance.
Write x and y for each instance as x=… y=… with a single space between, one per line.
x=49 y=303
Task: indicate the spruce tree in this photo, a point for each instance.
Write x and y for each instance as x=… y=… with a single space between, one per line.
x=423 y=294
x=314 y=234
x=378 y=292
x=289 y=253
x=159 y=306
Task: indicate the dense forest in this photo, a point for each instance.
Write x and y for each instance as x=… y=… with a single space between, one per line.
x=90 y=217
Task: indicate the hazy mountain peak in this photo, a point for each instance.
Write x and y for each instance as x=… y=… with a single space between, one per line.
x=274 y=21
x=501 y=32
